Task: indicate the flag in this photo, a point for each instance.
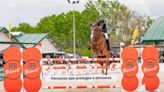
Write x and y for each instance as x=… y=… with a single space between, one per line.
x=10 y=29
x=134 y=36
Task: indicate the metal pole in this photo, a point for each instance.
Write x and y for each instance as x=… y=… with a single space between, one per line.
x=74 y=25
x=74 y=29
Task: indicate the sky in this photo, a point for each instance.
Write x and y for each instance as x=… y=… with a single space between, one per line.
x=31 y=11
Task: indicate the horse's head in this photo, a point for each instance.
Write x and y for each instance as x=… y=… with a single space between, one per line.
x=95 y=32
x=95 y=29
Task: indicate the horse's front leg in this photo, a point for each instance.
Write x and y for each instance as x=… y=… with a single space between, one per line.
x=101 y=64
x=106 y=68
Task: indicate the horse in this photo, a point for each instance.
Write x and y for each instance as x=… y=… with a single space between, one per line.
x=98 y=45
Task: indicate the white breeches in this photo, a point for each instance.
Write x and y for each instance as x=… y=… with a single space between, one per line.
x=106 y=36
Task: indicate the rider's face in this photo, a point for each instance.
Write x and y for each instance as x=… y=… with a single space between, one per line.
x=101 y=24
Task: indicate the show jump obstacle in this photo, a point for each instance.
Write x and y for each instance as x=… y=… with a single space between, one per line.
x=33 y=70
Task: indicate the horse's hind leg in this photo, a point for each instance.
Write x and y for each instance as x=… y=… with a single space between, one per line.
x=108 y=63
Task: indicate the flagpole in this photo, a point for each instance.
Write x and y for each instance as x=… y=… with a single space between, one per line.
x=10 y=29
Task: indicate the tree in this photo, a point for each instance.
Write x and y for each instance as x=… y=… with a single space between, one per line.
x=120 y=19
x=24 y=27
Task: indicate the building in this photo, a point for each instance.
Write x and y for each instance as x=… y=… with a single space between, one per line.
x=4 y=38
x=155 y=36
x=26 y=40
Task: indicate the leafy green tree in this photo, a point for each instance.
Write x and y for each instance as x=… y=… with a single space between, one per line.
x=121 y=21
x=24 y=27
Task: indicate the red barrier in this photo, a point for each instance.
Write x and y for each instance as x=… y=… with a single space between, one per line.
x=32 y=81
x=82 y=67
x=83 y=86
x=81 y=59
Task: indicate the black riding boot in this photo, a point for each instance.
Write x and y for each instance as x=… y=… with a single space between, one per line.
x=108 y=47
x=88 y=45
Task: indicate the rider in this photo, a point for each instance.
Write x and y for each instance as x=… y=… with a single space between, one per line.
x=102 y=25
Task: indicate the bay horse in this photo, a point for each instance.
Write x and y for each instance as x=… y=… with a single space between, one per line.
x=98 y=45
